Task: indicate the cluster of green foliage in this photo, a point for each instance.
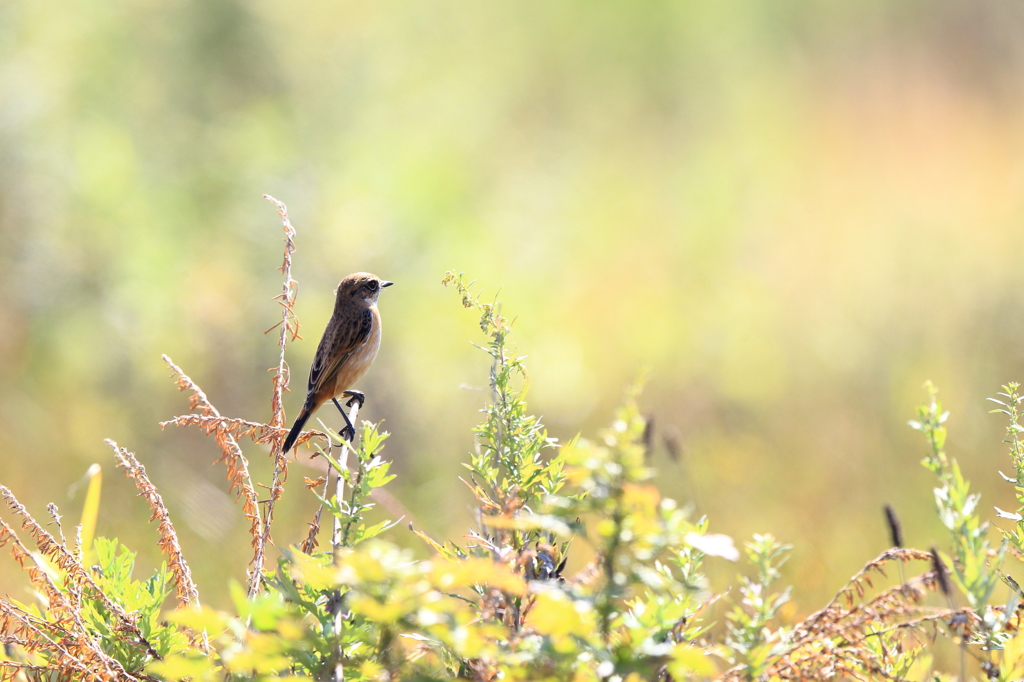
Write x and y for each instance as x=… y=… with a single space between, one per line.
x=501 y=604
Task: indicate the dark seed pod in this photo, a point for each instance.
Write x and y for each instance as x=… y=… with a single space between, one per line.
x=895 y=530
x=940 y=574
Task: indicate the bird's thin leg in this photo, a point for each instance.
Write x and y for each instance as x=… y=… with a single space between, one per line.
x=349 y=432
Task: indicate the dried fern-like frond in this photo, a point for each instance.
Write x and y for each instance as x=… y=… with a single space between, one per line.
x=859 y=638
x=310 y=543
x=186 y=589
x=62 y=634
x=38 y=574
x=289 y=327
x=857 y=586
x=226 y=432
x=289 y=320
x=65 y=561
x=261 y=434
x=64 y=648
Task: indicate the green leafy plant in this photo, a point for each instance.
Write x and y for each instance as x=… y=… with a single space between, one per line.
x=508 y=471
x=143 y=599
x=749 y=636
x=578 y=568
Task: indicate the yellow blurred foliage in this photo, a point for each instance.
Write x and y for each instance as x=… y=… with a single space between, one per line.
x=792 y=215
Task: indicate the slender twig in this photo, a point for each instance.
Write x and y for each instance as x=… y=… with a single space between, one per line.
x=55 y=515
x=337 y=538
x=226 y=433
x=63 y=559
x=310 y=543
x=289 y=327
x=188 y=594
x=854 y=584
x=89 y=661
x=258 y=432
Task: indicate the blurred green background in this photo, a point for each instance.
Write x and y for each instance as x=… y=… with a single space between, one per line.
x=790 y=214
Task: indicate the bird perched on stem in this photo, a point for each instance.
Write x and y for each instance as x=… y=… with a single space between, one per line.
x=347 y=349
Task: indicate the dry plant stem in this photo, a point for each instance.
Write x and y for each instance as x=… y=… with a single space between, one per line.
x=289 y=322
x=336 y=537
x=849 y=624
x=88 y=660
x=227 y=439
x=261 y=434
x=289 y=326
x=188 y=594
x=856 y=584
x=73 y=651
x=65 y=607
x=22 y=671
x=938 y=616
x=17 y=621
x=339 y=489
x=310 y=543
x=51 y=508
x=186 y=588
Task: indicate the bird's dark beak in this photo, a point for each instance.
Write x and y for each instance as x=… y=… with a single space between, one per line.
x=385 y=284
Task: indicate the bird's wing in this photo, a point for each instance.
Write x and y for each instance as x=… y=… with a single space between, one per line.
x=339 y=342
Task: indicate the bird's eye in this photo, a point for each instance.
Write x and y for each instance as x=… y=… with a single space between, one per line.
x=373 y=285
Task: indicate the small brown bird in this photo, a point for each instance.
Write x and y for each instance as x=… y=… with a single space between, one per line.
x=347 y=349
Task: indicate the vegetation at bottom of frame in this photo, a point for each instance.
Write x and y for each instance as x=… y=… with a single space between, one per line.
x=349 y=603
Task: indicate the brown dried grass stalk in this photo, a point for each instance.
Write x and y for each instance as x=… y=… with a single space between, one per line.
x=226 y=432
x=857 y=638
x=258 y=432
x=289 y=325
x=65 y=643
x=69 y=563
x=62 y=634
x=856 y=587
x=310 y=544
x=38 y=574
x=186 y=589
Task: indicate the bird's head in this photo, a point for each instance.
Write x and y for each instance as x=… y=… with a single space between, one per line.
x=361 y=288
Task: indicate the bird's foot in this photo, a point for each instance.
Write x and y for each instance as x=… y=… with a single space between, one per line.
x=355 y=396
x=347 y=434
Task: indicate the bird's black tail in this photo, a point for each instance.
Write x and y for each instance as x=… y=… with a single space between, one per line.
x=293 y=435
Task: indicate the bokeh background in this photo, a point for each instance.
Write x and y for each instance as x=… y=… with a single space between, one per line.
x=790 y=215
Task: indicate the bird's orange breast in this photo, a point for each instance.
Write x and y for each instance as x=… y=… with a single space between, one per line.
x=359 y=361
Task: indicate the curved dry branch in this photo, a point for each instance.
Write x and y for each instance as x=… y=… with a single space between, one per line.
x=65 y=610
x=289 y=327
x=852 y=636
x=226 y=436
x=259 y=433
x=133 y=469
